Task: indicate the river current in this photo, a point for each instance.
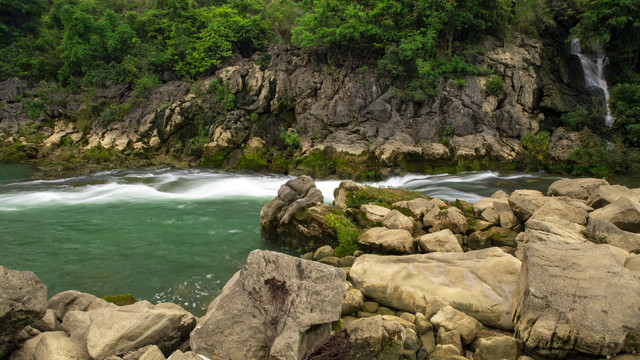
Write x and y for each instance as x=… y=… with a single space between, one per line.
x=167 y=235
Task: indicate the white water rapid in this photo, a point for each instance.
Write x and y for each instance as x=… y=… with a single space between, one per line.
x=593 y=69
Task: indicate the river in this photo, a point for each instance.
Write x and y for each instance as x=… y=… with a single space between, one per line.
x=166 y=235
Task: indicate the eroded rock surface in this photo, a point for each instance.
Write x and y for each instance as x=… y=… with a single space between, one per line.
x=479 y=283
x=276 y=304
x=576 y=297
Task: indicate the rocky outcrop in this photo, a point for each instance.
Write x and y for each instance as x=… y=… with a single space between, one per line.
x=575 y=297
x=22 y=302
x=425 y=283
x=276 y=305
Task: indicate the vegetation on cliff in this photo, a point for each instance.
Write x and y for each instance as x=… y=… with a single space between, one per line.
x=418 y=45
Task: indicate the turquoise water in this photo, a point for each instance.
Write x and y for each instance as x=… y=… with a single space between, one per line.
x=165 y=235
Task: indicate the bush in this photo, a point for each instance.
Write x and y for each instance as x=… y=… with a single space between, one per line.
x=537 y=150
x=576 y=120
x=494 y=85
x=291 y=140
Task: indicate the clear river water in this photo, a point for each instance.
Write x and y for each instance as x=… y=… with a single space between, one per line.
x=166 y=235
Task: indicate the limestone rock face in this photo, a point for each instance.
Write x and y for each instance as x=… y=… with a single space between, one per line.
x=22 y=302
x=478 y=283
x=441 y=241
x=388 y=241
x=376 y=339
x=130 y=327
x=575 y=297
x=275 y=303
x=623 y=213
x=579 y=189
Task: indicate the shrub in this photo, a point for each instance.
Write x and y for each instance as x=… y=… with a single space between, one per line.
x=291 y=140
x=494 y=85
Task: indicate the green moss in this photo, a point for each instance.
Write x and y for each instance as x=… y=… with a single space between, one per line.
x=120 y=300
x=346 y=232
x=368 y=194
x=253 y=161
x=101 y=155
x=213 y=160
x=13 y=153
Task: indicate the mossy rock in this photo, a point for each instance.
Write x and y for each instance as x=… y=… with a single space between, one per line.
x=120 y=300
x=379 y=196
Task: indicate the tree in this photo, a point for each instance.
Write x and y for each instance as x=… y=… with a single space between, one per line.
x=19 y=17
x=614 y=25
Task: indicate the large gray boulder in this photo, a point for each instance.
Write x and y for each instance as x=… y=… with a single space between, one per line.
x=623 y=213
x=579 y=189
x=450 y=218
x=373 y=338
x=22 y=301
x=295 y=195
x=276 y=305
x=122 y=329
x=451 y=319
x=478 y=283
x=525 y=202
x=562 y=210
x=576 y=297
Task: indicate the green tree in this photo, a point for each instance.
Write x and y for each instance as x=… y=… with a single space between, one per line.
x=625 y=106
x=19 y=17
x=613 y=24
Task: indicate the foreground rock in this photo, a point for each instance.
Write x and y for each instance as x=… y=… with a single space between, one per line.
x=576 y=297
x=623 y=213
x=22 y=301
x=276 y=305
x=478 y=283
x=579 y=189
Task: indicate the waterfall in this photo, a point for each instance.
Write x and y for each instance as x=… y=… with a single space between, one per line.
x=593 y=69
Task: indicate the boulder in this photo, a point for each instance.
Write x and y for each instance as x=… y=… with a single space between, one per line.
x=575 y=297
x=450 y=337
x=388 y=241
x=375 y=339
x=58 y=346
x=22 y=301
x=525 y=202
x=323 y=252
x=49 y=322
x=375 y=213
x=632 y=263
x=493 y=209
x=396 y=220
x=441 y=241
x=353 y=300
x=451 y=319
x=121 y=329
x=550 y=230
x=497 y=347
x=73 y=300
x=340 y=193
x=77 y=324
x=295 y=195
x=419 y=206
x=149 y=352
x=450 y=218
x=179 y=355
x=623 y=213
x=603 y=232
x=561 y=210
x=606 y=194
x=579 y=189
x=495 y=236
x=276 y=305
x=479 y=283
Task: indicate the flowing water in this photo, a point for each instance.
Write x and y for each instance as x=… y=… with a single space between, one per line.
x=165 y=235
x=594 y=76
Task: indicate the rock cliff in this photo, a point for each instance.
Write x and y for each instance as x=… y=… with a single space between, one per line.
x=304 y=112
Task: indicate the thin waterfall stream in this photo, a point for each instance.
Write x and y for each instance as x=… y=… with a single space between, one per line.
x=594 y=75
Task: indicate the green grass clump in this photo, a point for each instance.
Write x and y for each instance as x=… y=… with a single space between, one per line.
x=346 y=232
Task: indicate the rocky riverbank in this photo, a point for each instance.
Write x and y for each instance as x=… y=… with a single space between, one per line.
x=403 y=276
x=303 y=112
